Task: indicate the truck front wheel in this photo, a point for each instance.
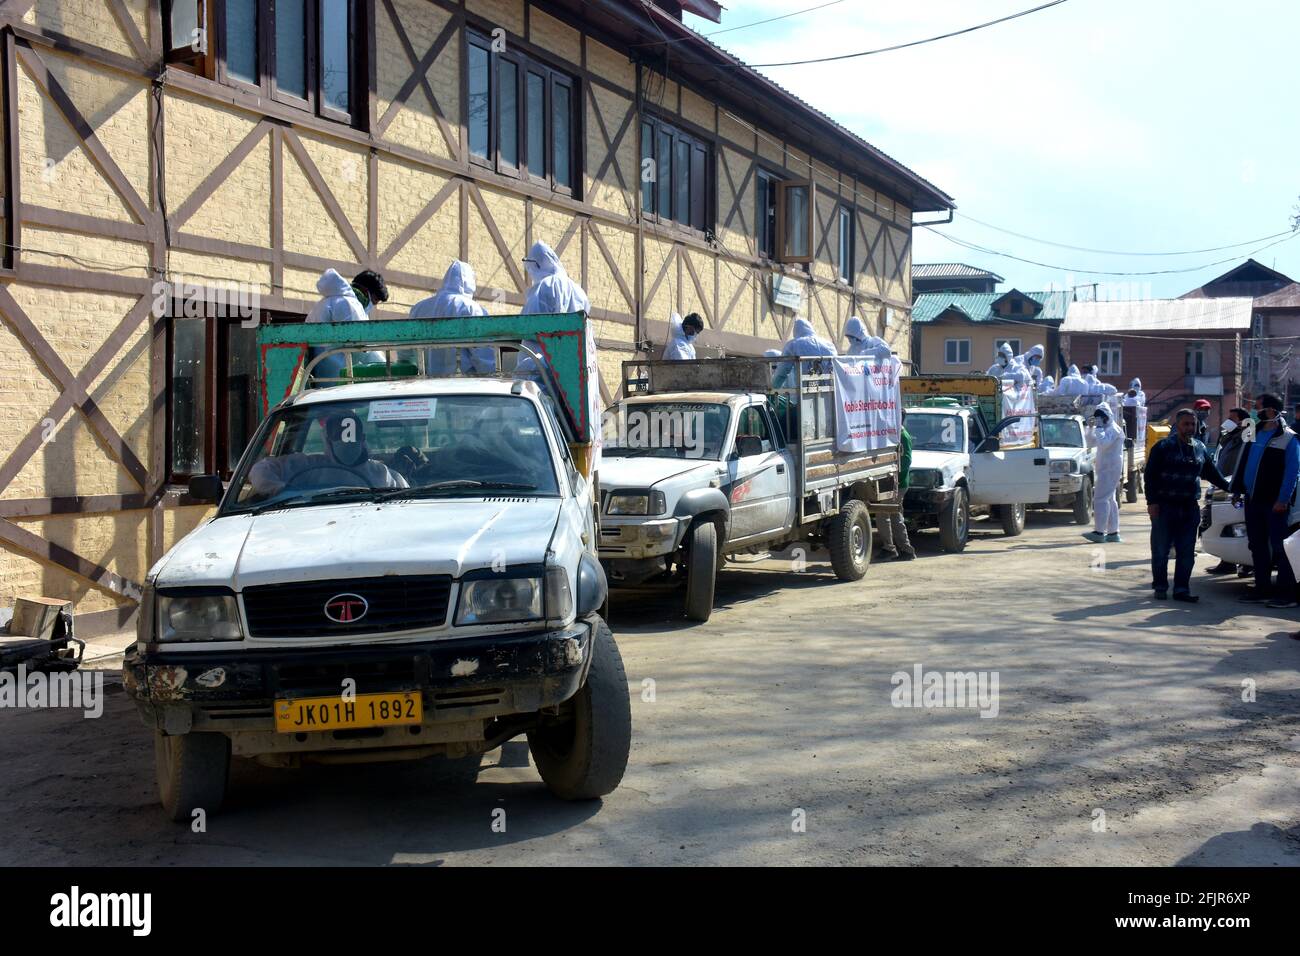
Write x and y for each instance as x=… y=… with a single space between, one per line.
x=1083 y=503
x=954 y=522
x=1013 y=519
x=850 y=541
x=192 y=773
x=701 y=570
x=581 y=755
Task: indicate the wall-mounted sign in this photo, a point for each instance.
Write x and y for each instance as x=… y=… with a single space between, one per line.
x=787 y=292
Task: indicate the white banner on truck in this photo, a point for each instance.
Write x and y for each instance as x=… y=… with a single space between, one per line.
x=1018 y=400
x=867 y=403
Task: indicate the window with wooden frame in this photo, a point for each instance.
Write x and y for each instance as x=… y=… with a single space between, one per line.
x=675 y=175
x=212 y=366
x=845 y=246
x=303 y=53
x=1109 y=357
x=521 y=115
x=784 y=217
x=956 y=351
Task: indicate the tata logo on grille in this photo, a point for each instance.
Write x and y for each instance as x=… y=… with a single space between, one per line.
x=346 y=608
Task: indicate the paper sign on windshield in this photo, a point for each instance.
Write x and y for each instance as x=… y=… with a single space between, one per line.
x=403 y=410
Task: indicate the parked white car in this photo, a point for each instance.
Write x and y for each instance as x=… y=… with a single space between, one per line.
x=1071 y=463
x=398 y=569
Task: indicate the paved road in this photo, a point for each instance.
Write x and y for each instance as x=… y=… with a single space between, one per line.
x=779 y=711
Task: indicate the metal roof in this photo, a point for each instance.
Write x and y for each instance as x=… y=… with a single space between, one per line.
x=1160 y=315
x=978 y=306
x=1287 y=297
x=951 y=270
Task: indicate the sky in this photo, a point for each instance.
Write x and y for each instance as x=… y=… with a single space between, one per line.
x=1128 y=126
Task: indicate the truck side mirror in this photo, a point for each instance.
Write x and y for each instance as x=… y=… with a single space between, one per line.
x=989 y=444
x=748 y=446
x=206 y=488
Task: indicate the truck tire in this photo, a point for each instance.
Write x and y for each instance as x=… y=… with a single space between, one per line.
x=192 y=771
x=850 y=541
x=1013 y=519
x=954 y=522
x=1083 y=503
x=584 y=756
x=701 y=570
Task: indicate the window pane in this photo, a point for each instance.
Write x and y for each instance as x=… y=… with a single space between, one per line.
x=796 y=221
x=536 y=112
x=241 y=40
x=479 y=101
x=291 y=47
x=189 y=410
x=561 y=132
x=184 y=23
x=697 y=187
x=336 y=55
x=664 y=170
x=508 y=117
x=241 y=390
x=846 y=255
x=647 y=168
x=682 y=182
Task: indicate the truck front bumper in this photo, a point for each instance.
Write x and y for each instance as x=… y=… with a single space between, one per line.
x=925 y=501
x=639 y=538
x=1065 y=484
x=463 y=684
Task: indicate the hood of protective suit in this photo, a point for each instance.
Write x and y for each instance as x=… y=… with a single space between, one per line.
x=459 y=279
x=542 y=262
x=1103 y=413
x=1136 y=383
x=331 y=283
x=854 y=329
x=1074 y=371
x=1048 y=382
x=1034 y=353
x=438 y=536
x=1004 y=351
x=801 y=329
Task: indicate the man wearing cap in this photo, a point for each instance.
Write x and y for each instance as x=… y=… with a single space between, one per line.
x=1266 y=477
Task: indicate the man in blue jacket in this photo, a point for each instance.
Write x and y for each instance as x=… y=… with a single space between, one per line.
x=1173 y=476
x=1266 y=475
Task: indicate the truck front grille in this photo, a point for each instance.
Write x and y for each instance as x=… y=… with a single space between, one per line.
x=342 y=607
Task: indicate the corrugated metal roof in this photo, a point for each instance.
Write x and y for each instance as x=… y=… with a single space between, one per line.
x=1160 y=315
x=979 y=306
x=1288 y=297
x=950 y=270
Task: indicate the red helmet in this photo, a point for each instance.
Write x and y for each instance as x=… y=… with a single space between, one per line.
x=1201 y=403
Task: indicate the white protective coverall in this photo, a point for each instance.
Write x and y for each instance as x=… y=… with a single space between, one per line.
x=1107 y=470
x=455 y=299
x=1008 y=366
x=803 y=341
x=338 y=303
x=1140 y=398
x=1047 y=386
x=1033 y=363
x=679 y=345
x=862 y=342
x=552 y=292
x=1072 y=383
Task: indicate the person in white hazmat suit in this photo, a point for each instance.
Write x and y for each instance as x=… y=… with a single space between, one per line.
x=1135 y=397
x=1008 y=366
x=552 y=292
x=1033 y=364
x=455 y=299
x=804 y=340
x=680 y=345
x=1107 y=470
x=1071 y=383
x=1047 y=386
x=343 y=301
x=862 y=342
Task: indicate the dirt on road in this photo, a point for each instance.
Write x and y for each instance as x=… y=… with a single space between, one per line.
x=1127 y=731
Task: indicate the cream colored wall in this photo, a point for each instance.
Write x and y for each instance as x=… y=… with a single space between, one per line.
x=984 y=340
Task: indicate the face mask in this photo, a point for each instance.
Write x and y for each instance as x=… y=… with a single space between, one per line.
x=1228 y=427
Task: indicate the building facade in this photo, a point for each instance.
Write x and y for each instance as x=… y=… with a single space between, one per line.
x=168 y=159
x=962 y=332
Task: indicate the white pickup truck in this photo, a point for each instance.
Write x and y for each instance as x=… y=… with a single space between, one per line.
x=1072 y=459
x=398 y=569
x=704 y=459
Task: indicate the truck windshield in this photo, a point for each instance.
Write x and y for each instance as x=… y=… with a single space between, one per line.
x=665 y=429
x=1061 y=433
x=393 y=448
x=931 y=432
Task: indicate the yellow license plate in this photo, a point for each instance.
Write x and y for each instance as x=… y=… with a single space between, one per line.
x=336 y=713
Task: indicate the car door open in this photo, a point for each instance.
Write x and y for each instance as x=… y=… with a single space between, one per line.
x=1011 y=477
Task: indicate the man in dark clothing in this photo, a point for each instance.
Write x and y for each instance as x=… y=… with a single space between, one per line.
x=1173 y=476
x=1266 y=476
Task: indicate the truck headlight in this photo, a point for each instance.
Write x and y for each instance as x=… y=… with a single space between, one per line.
x=924 y=478
x=559 y=597
x=637 y=503
x=1063 y=467
x=500 y=600
x=197 y=617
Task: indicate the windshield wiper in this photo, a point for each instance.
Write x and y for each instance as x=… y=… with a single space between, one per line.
x=300 y=500
x=453 y=484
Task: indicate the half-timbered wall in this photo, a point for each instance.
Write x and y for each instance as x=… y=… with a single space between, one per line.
x=118 y=174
